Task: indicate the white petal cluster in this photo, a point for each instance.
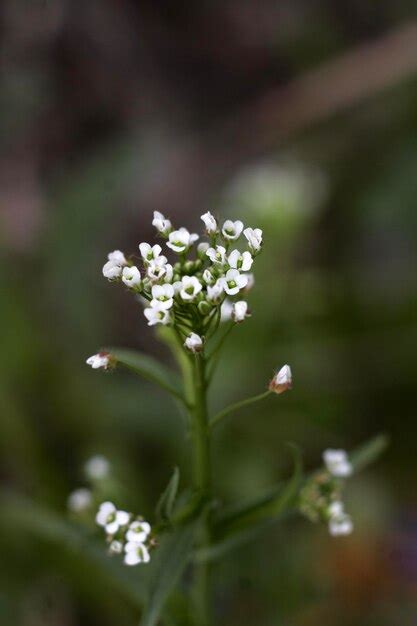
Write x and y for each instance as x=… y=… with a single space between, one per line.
x=282 y=380
x=189 y=291
x=125 y=534
x=99 y=360
x=97 y=467
x=337 y=463
x=340 y=523
x=194 y=343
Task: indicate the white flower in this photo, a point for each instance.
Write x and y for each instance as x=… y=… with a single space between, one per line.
x=79 y=500
x=112 y=270
x=158 y=268
x=156 y=315
x=233 y=282
x=215 y=292
x=208 y=277
x=340 y=524
x=202 y=249
x=210 y=223
x=138 y=531
x=110 y=518
x=232 y=230
x=116 y=547
x=337 y=463
x=191 y=286
x=148 y=252
x=102 y=359
x=131 y=276
x=240 y=261
x=117 y=257
x=163 y=296
x=226 y=311
x=254 y=237
x=180 y=240
x=194 y=342
x=240 y=311
x=161 y=223
x=136 y=553
x=282 y=380
x=97 y=467
x=217 y=255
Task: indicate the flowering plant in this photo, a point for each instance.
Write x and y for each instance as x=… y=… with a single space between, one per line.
x=196 y=299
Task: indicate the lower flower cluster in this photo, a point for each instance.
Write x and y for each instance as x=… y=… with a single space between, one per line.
x=126 y=534
x=321 y=497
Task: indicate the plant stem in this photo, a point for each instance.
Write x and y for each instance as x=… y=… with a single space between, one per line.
x=236 y=406
x=202 y=483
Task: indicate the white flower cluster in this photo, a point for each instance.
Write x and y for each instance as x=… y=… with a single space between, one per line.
x=97 y=469
x=190 y=291
x=125 y=533
x=321 y=498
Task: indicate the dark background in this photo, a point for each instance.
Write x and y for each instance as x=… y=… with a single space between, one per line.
x=296 y=116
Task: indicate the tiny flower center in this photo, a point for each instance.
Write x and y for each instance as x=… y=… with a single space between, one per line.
x=232 y=284
x=189 y=290
x=110 y=518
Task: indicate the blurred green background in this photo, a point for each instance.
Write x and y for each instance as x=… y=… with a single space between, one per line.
x=298 y=117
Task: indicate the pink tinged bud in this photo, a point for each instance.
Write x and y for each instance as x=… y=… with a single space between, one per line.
x=282 y=380
x=99 y=360
x=194 y=343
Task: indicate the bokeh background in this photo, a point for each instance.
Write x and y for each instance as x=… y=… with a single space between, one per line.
x=298 y=117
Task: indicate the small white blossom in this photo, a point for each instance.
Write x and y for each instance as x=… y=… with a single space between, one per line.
x=180 y=240
x=131 y=276
x=240 y=261
x=233 y=282
x=156 y=315
x=117 y=257
x=97 y=467
x=217 y=255
x=191 y=287
x=116 y=547
x=210 y=223
x=162 y=296
x=208 y=277
x=337 y=463
x=282 y=380
x=194 y=342
x=232 y=230
x=215 y=292
x=102 y=359
x=340 y=525
x=159 y=268
x=226 y=311
x=138 y=531
x=112 y=270
x=161 y=224
x=148 y=252
x=110 y=518
x=79 y=500
x=202 y=249
x=254 y=237
x=136 y=553
x=240 y=311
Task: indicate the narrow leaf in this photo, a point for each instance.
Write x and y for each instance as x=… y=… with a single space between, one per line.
x=170 y=558
x=369 y=452
x=149 y=368
x=166 y=502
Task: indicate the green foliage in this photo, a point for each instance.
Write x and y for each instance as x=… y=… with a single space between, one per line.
x=166 y=502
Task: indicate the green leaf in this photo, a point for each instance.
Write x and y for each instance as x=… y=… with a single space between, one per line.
x=18 y=512
x=149 y=368
x=166 y=502
x=369 y=452
x=170 y=561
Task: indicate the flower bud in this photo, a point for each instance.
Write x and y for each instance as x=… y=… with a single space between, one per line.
x=194 y=343
x=99 y=360
x=240 y=311
x=204 y=307
x=337 y=463
x=282 y=380
x=210 y=223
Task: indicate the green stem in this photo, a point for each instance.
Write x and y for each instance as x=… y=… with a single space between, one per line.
x=238 y=405
x=202 y=484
